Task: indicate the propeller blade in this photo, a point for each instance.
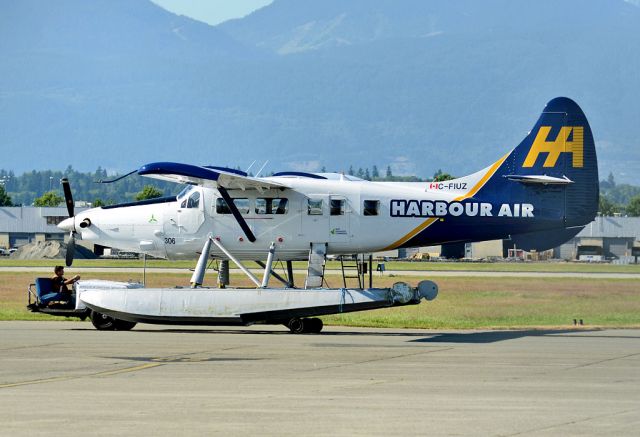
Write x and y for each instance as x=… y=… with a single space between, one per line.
x=71 y=249
x=68 y=198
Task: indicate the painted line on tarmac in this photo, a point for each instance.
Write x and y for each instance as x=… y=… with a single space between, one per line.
x=129 y=369
x=70 y=377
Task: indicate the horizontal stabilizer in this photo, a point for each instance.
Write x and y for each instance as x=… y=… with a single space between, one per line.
x=539 y=179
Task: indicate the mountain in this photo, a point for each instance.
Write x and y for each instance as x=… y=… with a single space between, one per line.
x=417 y=85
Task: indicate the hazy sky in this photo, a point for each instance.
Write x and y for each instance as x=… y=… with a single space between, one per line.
x=212 y=11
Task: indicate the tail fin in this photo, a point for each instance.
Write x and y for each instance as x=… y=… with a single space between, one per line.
x=554 y=167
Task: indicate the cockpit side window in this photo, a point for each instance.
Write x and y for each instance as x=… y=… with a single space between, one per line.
x=194 y=200
x=222 y=207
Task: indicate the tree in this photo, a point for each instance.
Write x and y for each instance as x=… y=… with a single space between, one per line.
x=633 y=208
x=439 y=176
x=148 y=192
x=609 y=183
x=50 y=198
x=389 y=174
x=351 y=172
x=606 y=207
x=100 y=174
x=5 y=199
x=375 y=174
x=97 y=203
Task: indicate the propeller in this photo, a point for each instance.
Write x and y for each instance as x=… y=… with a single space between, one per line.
x=68 y=200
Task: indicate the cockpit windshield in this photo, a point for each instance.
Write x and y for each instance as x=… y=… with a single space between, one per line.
x=185 y=191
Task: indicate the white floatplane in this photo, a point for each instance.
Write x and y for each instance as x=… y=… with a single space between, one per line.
x=539 y=195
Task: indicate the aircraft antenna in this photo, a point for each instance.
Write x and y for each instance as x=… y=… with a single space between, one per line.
x=249 y=168
x=114 y=180
x=262 y=168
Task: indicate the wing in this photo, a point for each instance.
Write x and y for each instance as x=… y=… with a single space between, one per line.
x=210 y=177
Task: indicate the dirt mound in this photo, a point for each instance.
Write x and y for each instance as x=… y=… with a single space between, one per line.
x=50 y=250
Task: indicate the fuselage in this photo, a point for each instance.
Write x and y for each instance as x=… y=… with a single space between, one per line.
x=350 y=215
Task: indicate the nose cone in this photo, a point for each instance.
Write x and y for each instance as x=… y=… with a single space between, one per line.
x=67 y=224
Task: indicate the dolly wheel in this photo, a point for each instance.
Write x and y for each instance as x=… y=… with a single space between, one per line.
x=314 y=325
x=123 y=325
x=305 y=326
x=102 y=322
x=296 y=325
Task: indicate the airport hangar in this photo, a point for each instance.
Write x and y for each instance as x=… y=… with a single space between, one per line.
x=604 y=239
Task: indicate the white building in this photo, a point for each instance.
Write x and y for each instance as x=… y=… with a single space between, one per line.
x=21 y=225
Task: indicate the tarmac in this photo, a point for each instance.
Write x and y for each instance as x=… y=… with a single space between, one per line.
x=65 y=378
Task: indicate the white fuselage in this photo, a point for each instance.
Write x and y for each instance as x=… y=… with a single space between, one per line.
x=178 y=229
x=351 y=216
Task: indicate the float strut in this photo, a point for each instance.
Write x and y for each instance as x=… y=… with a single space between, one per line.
x=267 y=268
x=238 y=263
x=290 y=274
x=198 y=274
x=274 y=274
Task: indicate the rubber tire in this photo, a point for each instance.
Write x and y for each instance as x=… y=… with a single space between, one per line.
x=297 y=326
x=124 y=325
x=102 y=322
x=315 y=326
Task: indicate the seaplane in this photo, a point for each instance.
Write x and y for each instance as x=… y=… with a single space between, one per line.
x=539 y=195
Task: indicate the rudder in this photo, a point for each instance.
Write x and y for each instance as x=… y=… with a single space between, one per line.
x=559 y=151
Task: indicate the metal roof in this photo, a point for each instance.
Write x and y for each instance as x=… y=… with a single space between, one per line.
x=611 y=227
x=31 y=219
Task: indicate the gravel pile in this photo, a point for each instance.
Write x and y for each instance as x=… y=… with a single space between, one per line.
x=50 y=250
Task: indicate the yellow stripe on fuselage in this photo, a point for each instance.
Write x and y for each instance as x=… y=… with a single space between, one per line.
x=428 y=222
x=484 y=179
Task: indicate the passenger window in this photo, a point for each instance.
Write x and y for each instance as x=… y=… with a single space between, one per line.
x=194 y=200
x=271 y=206
x=371 y=207
x=279 y=206
x=241 y=203
x=262 y=205
x=314 y=206
x=337 y=206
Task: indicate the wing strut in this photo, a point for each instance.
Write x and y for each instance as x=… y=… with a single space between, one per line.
x=234 y=210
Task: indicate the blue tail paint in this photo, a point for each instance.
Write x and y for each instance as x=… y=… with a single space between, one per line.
x=560 y=145
x=559 y=150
